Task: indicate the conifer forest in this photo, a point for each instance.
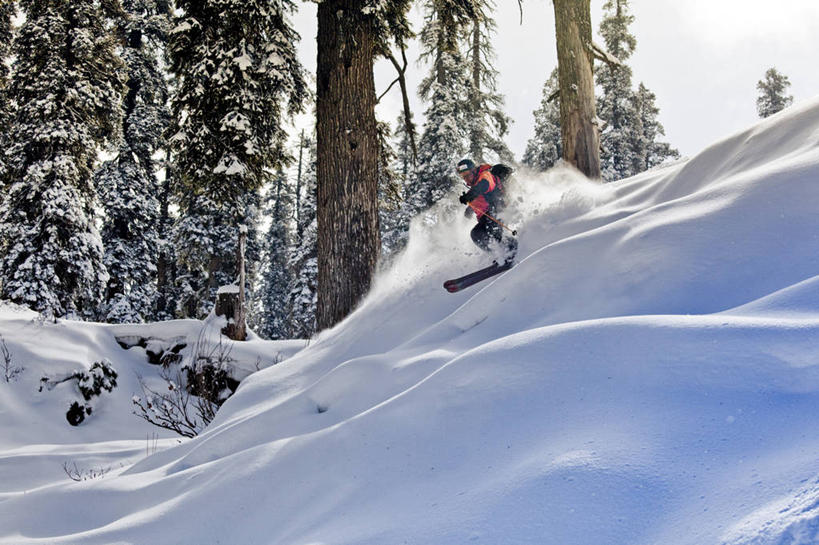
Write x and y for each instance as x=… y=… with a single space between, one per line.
x=141 y=137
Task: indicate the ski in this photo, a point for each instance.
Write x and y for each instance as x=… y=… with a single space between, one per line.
x=457 y=284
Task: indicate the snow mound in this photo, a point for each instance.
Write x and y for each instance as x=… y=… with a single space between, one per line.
x=794 y=519
x=645 y=374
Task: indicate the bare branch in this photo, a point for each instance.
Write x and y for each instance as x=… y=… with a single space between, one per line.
x=377 y=100
x=10 y=371
x=76 y=474
x=167 y=410
x=402 y=80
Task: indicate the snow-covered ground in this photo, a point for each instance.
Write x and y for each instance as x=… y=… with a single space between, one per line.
x=648 y=373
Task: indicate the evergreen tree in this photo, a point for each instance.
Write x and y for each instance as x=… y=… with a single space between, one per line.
x=392 y=218
x=404 y=164
x=486 y=122
x=648 y=150
x=67 y=86
x=206 y=247
x=629 y=142
x=616 y=105
x=396 y=170
x=128 y=183
x=6 y=38
x=303 y=260
x=445 y=137
x=165 y=302
x=544 y=149
x=772 y=96
x=276 y=277
x=236 y=66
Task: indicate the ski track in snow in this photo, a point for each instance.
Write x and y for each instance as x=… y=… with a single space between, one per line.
x=647 y=373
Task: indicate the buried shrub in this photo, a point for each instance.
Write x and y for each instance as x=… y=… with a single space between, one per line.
x=101 y=377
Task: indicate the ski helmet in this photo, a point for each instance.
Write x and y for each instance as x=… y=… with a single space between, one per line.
x=464 y=165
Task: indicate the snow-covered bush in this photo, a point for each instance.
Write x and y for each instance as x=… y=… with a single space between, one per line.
x=188 y=401
x=100 y=377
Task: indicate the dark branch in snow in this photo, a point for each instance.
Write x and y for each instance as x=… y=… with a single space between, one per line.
x=10 y=371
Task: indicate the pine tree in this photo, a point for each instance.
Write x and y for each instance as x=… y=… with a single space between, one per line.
x=7 y=11
x=128 y=182
x=404 y=160
x=772 y=96
x=544 y=149
x=615 y=105
x=303 y=261
x=445 y=137
x=487 y=123
x=165 y=302
x=302 y=297
x=206 y=244
x=628 y=143
x=396 y=170
x=236 y=66
x=391 y=207
x=6 y=38
x=648 y=150
x=67 y=86
x=276 y=276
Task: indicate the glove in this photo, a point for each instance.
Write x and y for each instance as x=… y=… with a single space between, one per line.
x=463 y=199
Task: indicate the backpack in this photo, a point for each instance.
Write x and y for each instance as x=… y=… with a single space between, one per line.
x=501 y=173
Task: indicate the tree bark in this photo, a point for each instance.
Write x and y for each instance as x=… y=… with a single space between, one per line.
x=578 y=118
x=347 y=159
x=475 y=147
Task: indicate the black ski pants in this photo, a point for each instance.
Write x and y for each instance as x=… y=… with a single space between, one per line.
x=486 y=231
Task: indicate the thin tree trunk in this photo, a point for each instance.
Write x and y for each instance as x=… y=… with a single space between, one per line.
x=299 y=230
x=164 y=268
x=347 y=159
x=578 y=119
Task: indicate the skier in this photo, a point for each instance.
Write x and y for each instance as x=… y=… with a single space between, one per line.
x=485 y=198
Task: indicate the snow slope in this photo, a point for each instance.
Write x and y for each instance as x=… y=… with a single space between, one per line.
x=648 y=373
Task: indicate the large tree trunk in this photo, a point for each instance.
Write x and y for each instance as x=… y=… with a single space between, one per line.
x=578 y=119
x=347 y=159
x=475 y=147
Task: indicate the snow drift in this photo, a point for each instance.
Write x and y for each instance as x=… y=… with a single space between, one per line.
x=648 y=373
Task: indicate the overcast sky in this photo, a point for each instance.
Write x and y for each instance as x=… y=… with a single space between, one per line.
x=702 y=58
